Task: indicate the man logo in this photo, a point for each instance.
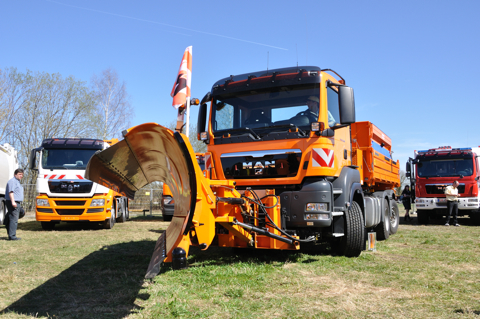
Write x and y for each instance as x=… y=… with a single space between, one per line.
x=259 y=166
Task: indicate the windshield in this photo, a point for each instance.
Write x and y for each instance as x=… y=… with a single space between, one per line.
x=66 y=158
x=447 y=167
x=264 y=110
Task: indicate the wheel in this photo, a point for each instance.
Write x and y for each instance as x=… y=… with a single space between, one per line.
x=121 y=212
x=352 y=242
x=127 y=212
x=422 y=217
x=167 y=218
x=2 y=212
x=394 y=218
x=383 y=229
x=108 y=223
x=48 y=225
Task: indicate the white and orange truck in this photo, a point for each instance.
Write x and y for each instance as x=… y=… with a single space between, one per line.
x=8 y=165
x=277 y=175
x=64 y=195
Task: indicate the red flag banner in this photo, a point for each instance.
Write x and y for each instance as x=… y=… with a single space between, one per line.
x=181 y=88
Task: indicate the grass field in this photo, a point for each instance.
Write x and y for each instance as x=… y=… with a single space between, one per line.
x=82 y=271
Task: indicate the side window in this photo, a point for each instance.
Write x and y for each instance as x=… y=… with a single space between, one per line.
x=333 y=107
x=224 y=116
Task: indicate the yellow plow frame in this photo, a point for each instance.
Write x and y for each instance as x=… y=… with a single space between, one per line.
x=150 y=152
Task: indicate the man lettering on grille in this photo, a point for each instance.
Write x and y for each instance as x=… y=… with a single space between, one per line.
x=14 y=199
x=451 y=193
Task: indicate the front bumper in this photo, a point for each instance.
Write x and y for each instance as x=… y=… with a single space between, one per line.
x=72 y=209
x=465 y=203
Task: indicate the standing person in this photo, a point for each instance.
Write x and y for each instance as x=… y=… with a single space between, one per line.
x=451 y=193
x=14 y=192
x=406 y=195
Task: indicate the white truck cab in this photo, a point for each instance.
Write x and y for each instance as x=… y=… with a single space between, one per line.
x=63 y=192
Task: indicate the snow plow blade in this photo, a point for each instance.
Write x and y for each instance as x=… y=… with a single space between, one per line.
x=150 y=153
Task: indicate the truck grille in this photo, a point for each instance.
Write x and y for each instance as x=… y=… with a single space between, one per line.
x=261 y=164
x=70 y=202
x=436 y=189
x=70 y=211
x=74 y=187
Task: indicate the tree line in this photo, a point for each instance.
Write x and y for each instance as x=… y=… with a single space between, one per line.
x=39 y=105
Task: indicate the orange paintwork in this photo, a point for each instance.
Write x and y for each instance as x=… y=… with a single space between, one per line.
x=376 y=170
x=92 y=217
x=86 y=216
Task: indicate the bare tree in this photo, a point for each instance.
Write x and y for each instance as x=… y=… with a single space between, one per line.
x=12 y=92
x=112 y=104
x=198 y=146
x=403 y=181
x=51 y=106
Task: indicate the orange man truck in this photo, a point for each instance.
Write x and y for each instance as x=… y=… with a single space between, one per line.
x=287 y=166
x=293 y=130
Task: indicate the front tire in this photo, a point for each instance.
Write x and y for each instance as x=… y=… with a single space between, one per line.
x=108 y=223
x=383 y=229
x=352 y=242
x=2 y=212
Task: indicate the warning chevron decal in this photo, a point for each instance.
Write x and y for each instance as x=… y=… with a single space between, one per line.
x=323 y=157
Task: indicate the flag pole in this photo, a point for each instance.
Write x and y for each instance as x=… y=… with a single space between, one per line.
x=188 y=117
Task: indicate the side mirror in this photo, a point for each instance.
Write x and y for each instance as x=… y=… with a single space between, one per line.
x=202 y=116
x=347 y=104
x=32 y=159
x=202 y=120
x=206 y=98
x=408 y=170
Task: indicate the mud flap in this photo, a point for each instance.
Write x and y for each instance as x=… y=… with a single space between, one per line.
x=150 y=153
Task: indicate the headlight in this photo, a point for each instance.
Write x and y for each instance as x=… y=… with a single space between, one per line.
x=168 y=200
x=322 y=216
x=98 y=202
x=473 y=199
x=42 y=202
x=418 y=200
x=315 y=207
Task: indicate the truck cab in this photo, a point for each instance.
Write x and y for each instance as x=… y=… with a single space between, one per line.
x=293 y=130
x=64 y=195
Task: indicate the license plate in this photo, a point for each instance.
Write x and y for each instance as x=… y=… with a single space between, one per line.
x=69 y=218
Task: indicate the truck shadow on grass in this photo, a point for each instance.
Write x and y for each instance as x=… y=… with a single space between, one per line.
x=104 y=284
x=227 y=256
x=36 y=226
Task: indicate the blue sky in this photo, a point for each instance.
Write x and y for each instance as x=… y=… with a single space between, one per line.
x=413 y=64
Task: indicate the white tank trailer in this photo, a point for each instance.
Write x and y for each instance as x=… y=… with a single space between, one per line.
x=8 y=164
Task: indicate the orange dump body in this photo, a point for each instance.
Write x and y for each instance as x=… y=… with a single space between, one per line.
x=371 y=152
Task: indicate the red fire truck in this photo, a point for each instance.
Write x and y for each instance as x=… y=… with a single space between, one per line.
x=432 y=170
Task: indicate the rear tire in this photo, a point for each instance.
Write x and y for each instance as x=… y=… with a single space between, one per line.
x=394 y=218
x=383 y=229
x=48 y=226
x=167 y=218
x=352 y=242
x=422 y=217
x=121 y=211
x=2 y=212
